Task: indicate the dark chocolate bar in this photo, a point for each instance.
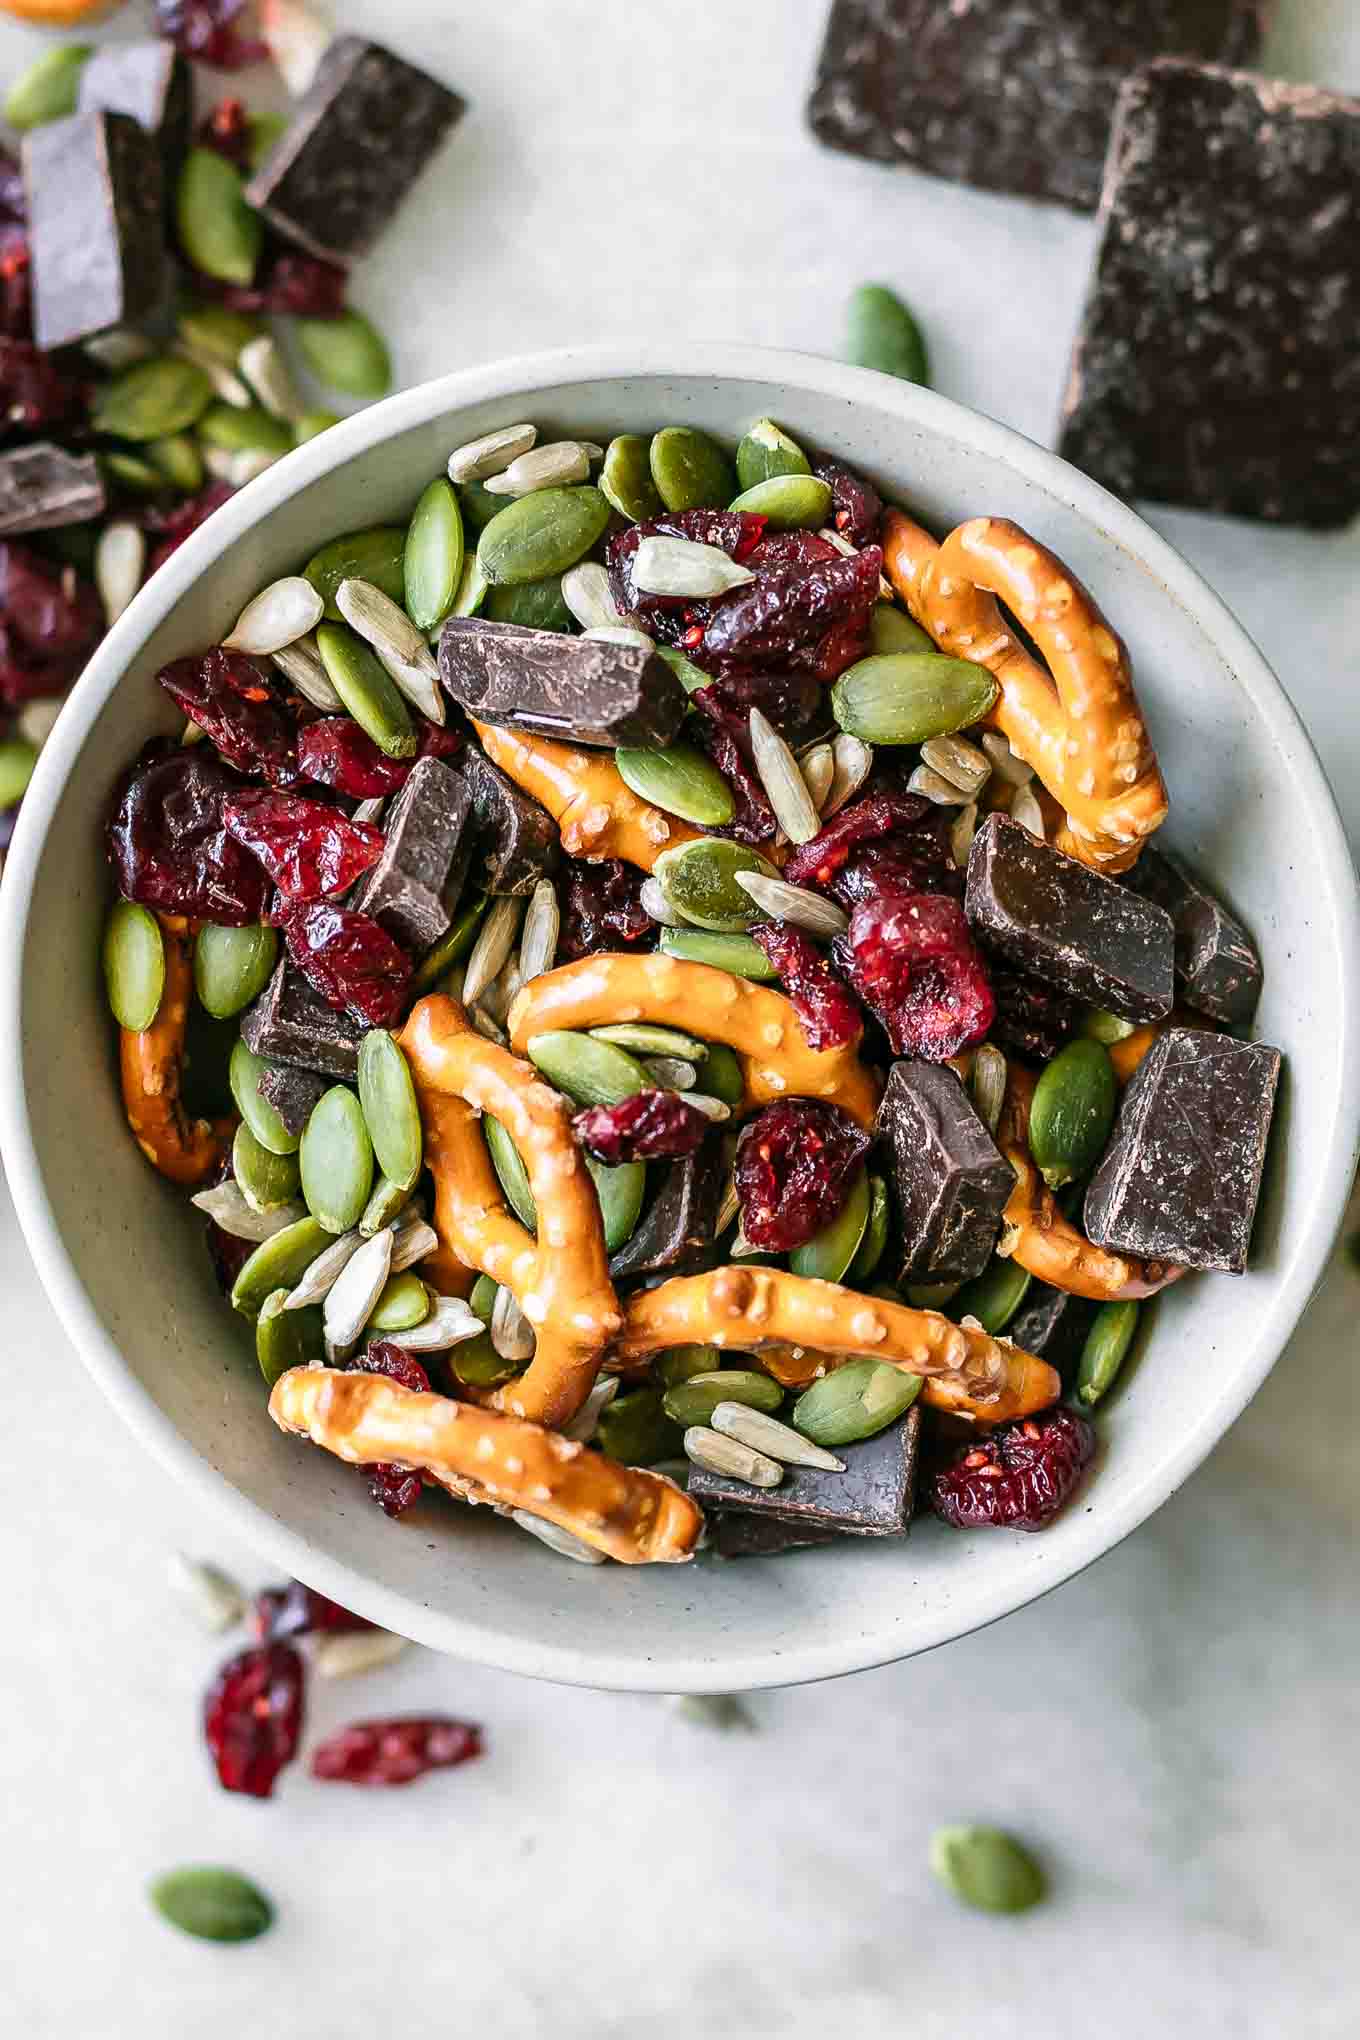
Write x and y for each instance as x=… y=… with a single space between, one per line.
x=1052 y=1324
x=1216 y=364
x=584 y=690
x=406 y=891
x=872 y=1498
x=950 y=1181
x=1180 y=1178
x=293 y=1093
x=1014 y=95
x=42 y=487
x=291 y=1023
x=1218 y=971
x=359 y=138
x=517 y=838
x=148 y=81
x=96 y=225
x=1067 y=924
x=676 y=1231
x=732 y=1533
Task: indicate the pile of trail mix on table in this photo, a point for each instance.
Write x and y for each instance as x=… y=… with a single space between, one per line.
x=654 y=969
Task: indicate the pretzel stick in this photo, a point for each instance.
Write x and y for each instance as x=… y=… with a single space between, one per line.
x=1082 y=728
x=1126 y=1055
x=152 y=1067
x=598 y=815
x=637 y=1517
x=561 y=1281
x=1030 y=1384
x=761 y=1025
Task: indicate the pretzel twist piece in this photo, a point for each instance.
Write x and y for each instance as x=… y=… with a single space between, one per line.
x=583 y=791
x=152 y=1067
x=1079 y=726
x=638 y=1517
x=1028 y=1383
x=761 y=1025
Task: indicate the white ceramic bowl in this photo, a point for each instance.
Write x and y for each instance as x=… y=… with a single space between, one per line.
x=121 y=1255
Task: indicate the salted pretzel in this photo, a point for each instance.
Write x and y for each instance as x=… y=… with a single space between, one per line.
x=759 y=1024
x=1029 y=1384
x=635 y=1516
x=151 y=1064
x=583 y=790
x=1079 y=724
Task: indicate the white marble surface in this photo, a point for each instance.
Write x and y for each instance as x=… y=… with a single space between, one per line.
x=1175 y=1730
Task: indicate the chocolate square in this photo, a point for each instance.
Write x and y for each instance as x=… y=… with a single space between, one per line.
x=676 y=1231
x=406 y=891
x=580 y=690
x=517 y=838
x=96 y=225
x=42 y=487
x=148 y=81
x=872 y=1498
x=290 y=1022
x=1218 y=971
x=950 y=1181
x=293 y=1093
x=734 y=1534
x=1218 y=361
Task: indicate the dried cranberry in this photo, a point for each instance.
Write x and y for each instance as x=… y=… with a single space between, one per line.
x=169 y=847
x=180 y=522
x=796 y=1163
x=726 y=736
x=227 y=130
x=34 y=393
x=394 y=1488
x=793 y=702
x=913 y=961
x=227 y=1254
x=1033 y=1019
x=1019 y=1477
x=308 y=848
x=601 y=908
x=735 y=532
x=882 y=814
x=387 y=1358
x=919 y=863
x=285 y=282
x=16 y=288
x=437 y=740
x=829 y=1015
x=856 y=506
x=336 y=752
x=233 y=699
x=841 y=646
x=349 y=959
x=395 y=1752
x=783 y=614
x=782 y=549
x=252 y=1717
x=654 y=1126
x=48 y=610
x=295 y=1610
x=206 y=30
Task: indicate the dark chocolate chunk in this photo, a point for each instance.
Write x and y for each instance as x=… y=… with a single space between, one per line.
x=872 y=1498
x=291 y=1023
x=96 y=225
x=583 y=690
x=1053 y=1324
x=1216 y=364
x=148 y=81
x=43 y=487
x=676 y=1231
x=358 y=140
x=406 y=891
x=1015 y=95
x=1218 y=971
x=1067 y=924
x=1181 y=1176
x=517 y=838
x=293 y=1093
x=950 y=1181
x=732 y=1533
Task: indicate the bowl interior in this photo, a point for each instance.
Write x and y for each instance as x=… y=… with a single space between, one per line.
x=124 y=1258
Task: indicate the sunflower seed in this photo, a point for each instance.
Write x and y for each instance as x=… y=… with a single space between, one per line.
x=853 y=760
x=511 y=1333
x=794 y=904
x=495 y=1000
x=495 y=940
x=119 y=557
x=962 y=833
x=1026 y=810
x=399 y=645
x=450 y=1322
x=586 y=1422
x=117 y=349
x=209 y=1593
x=225 y=1205
x=712 y=1108
x=728 y=1209
x=227 y=386
x=300 y=664
x=962 y=763
x=724 y=1455
x=487 y=1027
x=931 y=787
x=36 y=721
x=558 y=1540
x=987 y=1082
x=369 y=810
x=620 y=634
x=671 y=1073
x=411 y=1243
x=768 y=1435
x=363 y=1650
x=547 y=467
x=492 y=454
x=782 y=780
x=237 y=469
x=262 y=364
x=682 y=566
x=1005 y=764
x=542 y=924
x=324 y=1272
x=296 y=39
x=351 y=1297
x=819 y=769
x=277 y=617
x=655 y=904
x=585 y=590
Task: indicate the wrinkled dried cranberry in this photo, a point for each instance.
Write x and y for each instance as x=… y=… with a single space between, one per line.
x=920 y=862
x=793 y=702
x=1033 y=1019
x=13 y=197
x=395 y=1752
x=796 y=1162
x=394 y=1488
x=830 y=1016
x=785 y=614
x=881 y=814
x=308 y=848
x=913 y=961
x=438 y=740
x=50 y=621
x=782 y=549
x=180 y=522
x=169 y=847
x=286 y=281
x=336 y=752
x=601 y=908
x=654 y=1126
x=349 y=959
x=227 y=130
x=856 y=506
x=735 y=532
x=207 y=31
x=227 y=1254
x=294 y=1610
x=16 y=295
x=233 y=699
x=1019 y=1477
x=725 y=734
x=842 y=645
x=252 y=1717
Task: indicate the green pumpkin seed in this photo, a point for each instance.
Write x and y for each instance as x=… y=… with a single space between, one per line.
x=212 y=1904
x=589 y=1071
x=472 y=587
x=387 y=1199
x=540 y=535
x=482 y=1300
x=679 y=779
x=626 y=478
x=535 y=605
x=387 y=1096
x=986 y=1868
x=217 y=229
x=263 y=131
x=178 y=459
x=404 y=1304
x=139 y=477
x=909 y=697
x=1099 y=1025
x=682 y=1363
x=49 y=88
x=434 y=556
x=620 y=1191
x=882 y=334
x=219 y=333
x=375 y=555
x=924 y=1295
x=790 y=502
x=266 y=1181
x=993 y=1297
x=722 y=1076
x=690 y=470
x=280 y=1262
x=134 y=965
x=869 y=1252
x=1072 y=1112
x=287 y=1338
x=336 y=1155
x=690 y=676
x=348 y=353
x=17 y=760
x=635 y=1430
x=643 y=1039
x=735 y=953
x=368 y=692
x=699 y=879
x=694 y=1400
x=476 y=1363
x=152 y=399
x=766 y=451
x=892 y=630
x=479 y=505
x=453 y=947
x=828 y=1254
x=232 y=966
x=245 y=1072
x=247 y=428
x=514 y=1177
x=855 y=1401
x=1105 y=1350
x=311 y=425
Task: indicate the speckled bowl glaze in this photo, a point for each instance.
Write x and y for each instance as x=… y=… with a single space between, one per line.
x=121 y=1255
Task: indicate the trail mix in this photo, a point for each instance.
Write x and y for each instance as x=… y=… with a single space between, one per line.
x=668 y=1006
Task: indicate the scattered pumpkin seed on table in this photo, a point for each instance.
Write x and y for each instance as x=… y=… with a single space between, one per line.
x=244 y=1071
x=212 y=1904
x=536 y=536
x=737 y=954
x=433 y=565
x=336 y=1157
x=986 y=1868
x=1105 y=1351
x=217 y=230
x=679 y=779
x=690 y=470
x=134 y=965
x=367 y=690
x=855 y=1401
x=765 y=451
x=376 y=554
x=287 y=1338
x=387 y=1096
x=906 y=697
x=152 y=399
x=700 y=879
x=1072 y=1112
x=883 y=334
x=347 y=353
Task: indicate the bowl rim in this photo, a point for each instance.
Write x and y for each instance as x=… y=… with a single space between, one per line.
x=531 y=376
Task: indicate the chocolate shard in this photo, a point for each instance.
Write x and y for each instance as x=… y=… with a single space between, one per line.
x=583 y=690
x=43 y=487
x=517 y=838
x=148 y=81
x=1181 y=1176
x=291 y=1023
x=732 y=1533
x=872 y=1498
x=1070 y=926
x=96 y=225
x=1053 y=1324
x=1218 y=971
x=950 y=1181
x=676 y=1231
x=406 y=891
x=1215 y=363
x=293 y=1093
x=359 y=138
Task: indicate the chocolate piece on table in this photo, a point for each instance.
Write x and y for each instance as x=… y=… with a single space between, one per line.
x=43 y=486
x=518 y=838
x=872 y=1498
x=583 y=690
x=150 y=82
x=293 y=1093
x=1015 y=95
x=1053 y=1324
x=405 y=890
x=1216 y=361
x=1180 y=1178
x=733 y=1533
x=290 y=1022
x=96 y=225
x=1218 y=971
x=676 y=1232
x=950 y=1181
x=1067 y=924
x=359 y=138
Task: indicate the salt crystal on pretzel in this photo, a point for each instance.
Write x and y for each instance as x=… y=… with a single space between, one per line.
x=583 y=791
x=152 y=1066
